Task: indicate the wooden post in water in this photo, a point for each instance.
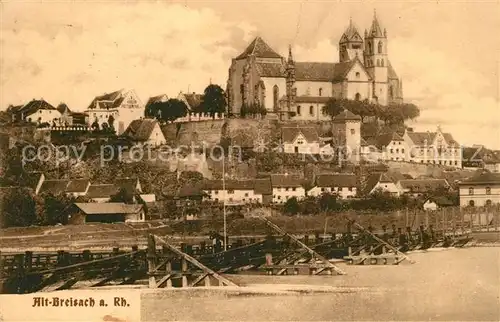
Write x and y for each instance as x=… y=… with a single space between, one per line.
x=151 y=256
x=168 y=264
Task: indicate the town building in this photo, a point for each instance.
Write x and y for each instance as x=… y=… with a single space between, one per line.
x=482 y=189
x=117 y=109
x=346 y=131
x=66 y=118
x=54 y=187
x=392 y=146
x=102 y=192
x=111 y=212
x=419 y=187
x=237 y=192
x=303 y=140
x=286 y=186
x=145 y=132
x=192 y=100
x=344 y=185
x=259 y=75
x=78 y=187
x=381 y=182
x=433 y=148
x=36 y=111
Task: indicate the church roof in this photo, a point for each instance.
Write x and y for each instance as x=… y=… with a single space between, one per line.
x=376 y=30
x=270 y=69
x=351 y=34
x=391 y=73
x=326 y=72
x=259 y=48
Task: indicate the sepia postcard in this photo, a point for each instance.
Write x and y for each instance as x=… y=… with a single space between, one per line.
x=249 y=160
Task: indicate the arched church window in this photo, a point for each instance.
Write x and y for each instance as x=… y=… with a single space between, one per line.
x=369 y=47
x=357 y=97
x=320 y=92
x=358 y=74
x=276 y=93
x=382 y=62
x=379 y=47
x=378 y=62
x=298 y=110
x=391 y=92
x=311 y=110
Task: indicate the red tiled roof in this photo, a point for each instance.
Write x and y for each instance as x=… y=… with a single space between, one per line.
x=193 y=100
x=107 y=101
x=383 y=140
x=391 y=73
x=229 y=185
x=326 y=72
x=34 y=106
x=156 y=99
x=263 y=186
x=259 y=48
x=129 y=184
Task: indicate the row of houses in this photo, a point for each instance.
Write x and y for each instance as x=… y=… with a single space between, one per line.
x=117 y=109
x=98 y=193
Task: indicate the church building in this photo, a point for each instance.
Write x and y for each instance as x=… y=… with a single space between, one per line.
x=299 y=90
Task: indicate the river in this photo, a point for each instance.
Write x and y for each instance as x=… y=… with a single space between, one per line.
x=451 y=285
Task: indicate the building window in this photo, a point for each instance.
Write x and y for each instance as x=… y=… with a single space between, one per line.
x=353 y=131
x=322 y=189
x=286 y=189
x=488 y=190
x=471 y=191
x=230 y=192
x=488 y=203
x=471 y=203
x=298 y=110
x=358 y=75
x=311 y=110
x=392 y=150
x=379 y=47
x=293 y=189
x=402 y=150
x=246 y=194
x=320 y=92
x=370 y=48
x=382 y=62
x=378 y=62
x=216 y=192
x=276 y=93
x=296 y=149
x=391 y=92
x=357 y=97
x=350 y=188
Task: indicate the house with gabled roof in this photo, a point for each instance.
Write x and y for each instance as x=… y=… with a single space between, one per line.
x=119 y=108
x=162 y=98
x=54 y=187
x=482 y=189
x=192 y=100
x=438 y=148
x=419 y=187
x=236 y=192
x=380 y=181
x=37 y=111
x=392 y=146
x=286 y=186
x=111 y=212
x=77 y=187
x=145 y=132
x=303 y=140
x=298 y=90
x=344 y=185
x=102 y=192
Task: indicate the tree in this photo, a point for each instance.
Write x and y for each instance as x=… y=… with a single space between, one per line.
x=214 y=100
x=310 y=205
x=328 y=202
x=111 y=122
x=18 y=208
x=333 y=107
x=56 y=208
x=168 y=111
x=122 y=195
x=62 y=106
x=291 y=206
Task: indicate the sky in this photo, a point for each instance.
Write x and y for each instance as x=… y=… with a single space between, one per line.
x=447 y=53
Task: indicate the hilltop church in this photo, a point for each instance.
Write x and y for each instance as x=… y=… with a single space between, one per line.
x=299 y=90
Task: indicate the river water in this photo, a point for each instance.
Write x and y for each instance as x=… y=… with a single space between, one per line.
x=449 y=285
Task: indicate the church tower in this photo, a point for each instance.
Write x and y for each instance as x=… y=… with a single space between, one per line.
x=350 y=44
x=376 y=60
x=290 y=80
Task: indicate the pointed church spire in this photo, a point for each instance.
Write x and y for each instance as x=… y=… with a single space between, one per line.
x=376 y=30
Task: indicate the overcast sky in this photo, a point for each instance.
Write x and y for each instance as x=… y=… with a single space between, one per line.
x=446 y=52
